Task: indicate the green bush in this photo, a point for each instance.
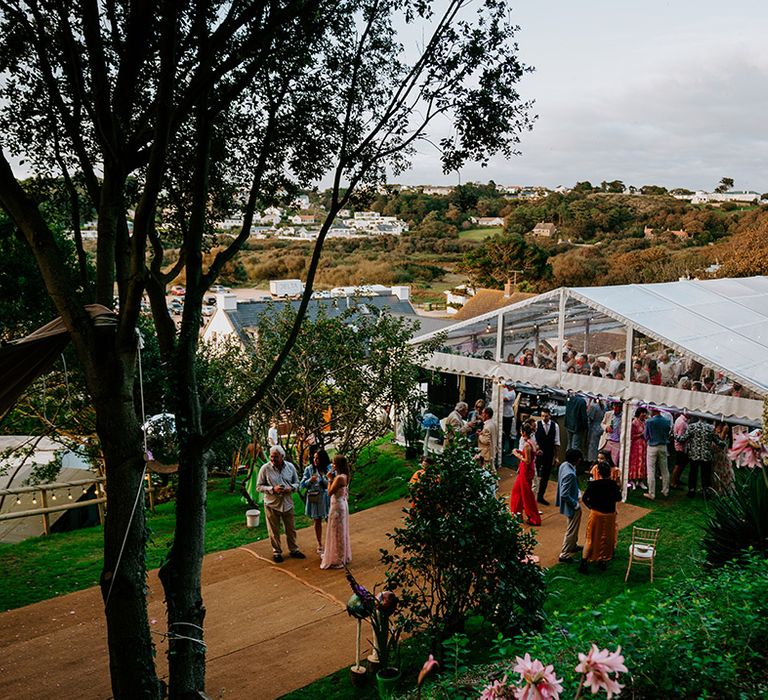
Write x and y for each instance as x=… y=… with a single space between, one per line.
x=706 y=638
x=460 y=551
x=738 y=520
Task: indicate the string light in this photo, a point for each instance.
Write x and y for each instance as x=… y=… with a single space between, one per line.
x=85 y=490
x=53 y=496
x=18 y=500
x=34 y=500
x=69 y=494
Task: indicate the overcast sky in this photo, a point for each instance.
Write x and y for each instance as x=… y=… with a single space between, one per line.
x=673 y=93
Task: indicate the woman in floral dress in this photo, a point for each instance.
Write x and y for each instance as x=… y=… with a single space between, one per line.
x=638 y=451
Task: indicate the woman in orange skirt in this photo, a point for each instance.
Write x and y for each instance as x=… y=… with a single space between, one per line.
x=601 y=497
x=522 y=499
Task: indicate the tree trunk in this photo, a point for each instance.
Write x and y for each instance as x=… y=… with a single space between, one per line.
x=181 y=574
x=131 y=650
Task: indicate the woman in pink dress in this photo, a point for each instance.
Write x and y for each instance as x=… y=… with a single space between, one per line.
x=638 y=451
x=522 y=499
x=338 y=551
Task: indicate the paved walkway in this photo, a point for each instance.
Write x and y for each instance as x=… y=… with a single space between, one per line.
x=270 y=628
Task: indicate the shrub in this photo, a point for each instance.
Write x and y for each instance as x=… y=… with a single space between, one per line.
x=460 y=552
x=738 y=520
x=707 y=638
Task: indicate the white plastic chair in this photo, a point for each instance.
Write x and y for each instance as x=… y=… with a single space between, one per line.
x=643 y=548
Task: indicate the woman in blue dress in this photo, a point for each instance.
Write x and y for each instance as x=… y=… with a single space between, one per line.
x=315 y=481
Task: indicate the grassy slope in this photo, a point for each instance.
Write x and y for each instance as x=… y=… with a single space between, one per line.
x=479 y=234
x=45 y=567
x=680 y=520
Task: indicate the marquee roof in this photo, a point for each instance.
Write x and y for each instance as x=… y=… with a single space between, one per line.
x=721 y=323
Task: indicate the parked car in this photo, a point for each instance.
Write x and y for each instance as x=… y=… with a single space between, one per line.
x=175 y=306
x=208 y=311
x=218 y=289
x=210 y=301
x=178 y=291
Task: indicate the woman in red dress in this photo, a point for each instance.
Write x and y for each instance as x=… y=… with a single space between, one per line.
x=522 y=499
x=638 y=450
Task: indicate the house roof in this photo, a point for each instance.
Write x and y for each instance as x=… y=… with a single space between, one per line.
x=486 y=300
x=248 y=313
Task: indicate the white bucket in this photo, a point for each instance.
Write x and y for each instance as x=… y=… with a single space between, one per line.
x=252 y=518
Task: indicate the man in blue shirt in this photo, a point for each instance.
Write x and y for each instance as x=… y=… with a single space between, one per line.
x=658 y=428
x=567 y=500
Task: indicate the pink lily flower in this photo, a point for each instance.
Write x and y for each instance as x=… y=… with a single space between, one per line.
x=430 y=666
x=540 y=682
x=597 y=667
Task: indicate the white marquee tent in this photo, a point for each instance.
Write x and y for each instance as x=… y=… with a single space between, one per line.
x=721 y=324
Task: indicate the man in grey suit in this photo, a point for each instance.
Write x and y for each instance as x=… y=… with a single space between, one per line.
x=567 y=500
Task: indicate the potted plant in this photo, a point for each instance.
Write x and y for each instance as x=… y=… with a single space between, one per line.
x=378 y=610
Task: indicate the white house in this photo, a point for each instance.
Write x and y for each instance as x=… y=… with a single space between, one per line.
x=487 y=220
x=743 y=196
x=544 y=229
x=303 y=219
x=301 y=201
x=456 y=298
x=271 y=215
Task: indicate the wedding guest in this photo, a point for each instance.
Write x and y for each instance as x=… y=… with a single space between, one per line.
x=701 y=440
x=657 y=432
x=722 y=467
x=338 y=550
x=317 y=501
x=681 y=449
x=278 y=480
x=568 y=501
x=521 y=499
x=488 y=440
x=638 y=450
x=601 y=497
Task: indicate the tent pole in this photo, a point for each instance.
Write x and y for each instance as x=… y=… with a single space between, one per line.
x=628 y=356
x=625 y=444
x=499 y=337
x=586 y=337
x=561 y=338
x=497 y=402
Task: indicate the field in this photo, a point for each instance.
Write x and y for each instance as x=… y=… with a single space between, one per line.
x=479 y=234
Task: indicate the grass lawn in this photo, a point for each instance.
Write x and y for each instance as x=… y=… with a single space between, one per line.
x=44 y=567
x=679 y=554
x=433 y=293
x=479 y=234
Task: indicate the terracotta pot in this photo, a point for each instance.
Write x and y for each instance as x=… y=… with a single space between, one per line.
x=373 y=663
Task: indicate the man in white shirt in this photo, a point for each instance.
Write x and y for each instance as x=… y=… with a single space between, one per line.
x=272 y=437
x=548 y=443
x=667 y=369
x=278 y=480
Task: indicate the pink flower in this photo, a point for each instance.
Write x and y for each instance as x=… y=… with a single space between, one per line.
x=540 y=682
x=430 y=666
x=597 y=665
x=498 y=690
x=747 y=451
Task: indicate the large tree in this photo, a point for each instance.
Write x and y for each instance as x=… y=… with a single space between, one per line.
x=172 y=114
